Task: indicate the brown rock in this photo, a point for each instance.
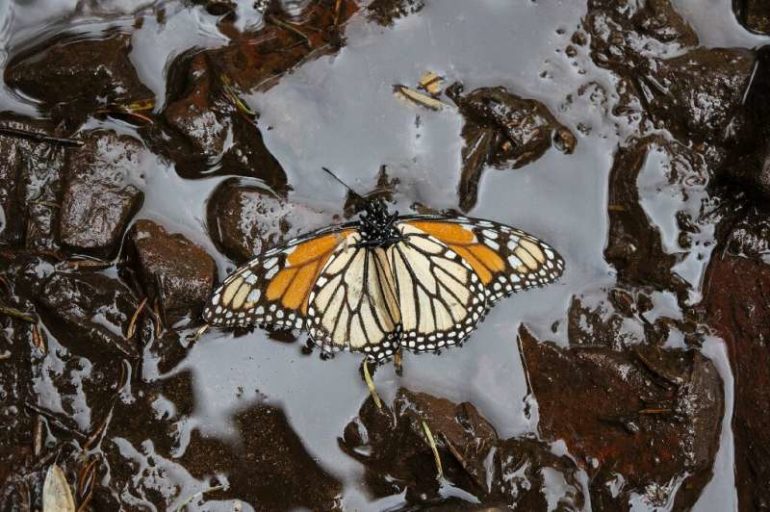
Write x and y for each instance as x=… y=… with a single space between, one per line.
x=392 y=445
x=623 y=32
x=636 y=245
x=102 y=192
x=748 y=163
x=386 y=12
x=74 y=76
x=244 y=219
x=90 y=312
x=648 y=415
x=753 y=14
x=257 y=62
x=171 y=268
x=213 y=125
x=699 y=95
x=31 y=174
x=737 y=303
x=503 y=130
x=269 y=456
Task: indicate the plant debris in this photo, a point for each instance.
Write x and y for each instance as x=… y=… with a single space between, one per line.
x=57 y=496
x=418 y=98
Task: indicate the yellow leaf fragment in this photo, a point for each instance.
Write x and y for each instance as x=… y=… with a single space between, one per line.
x=431 y=82
x=417 y=97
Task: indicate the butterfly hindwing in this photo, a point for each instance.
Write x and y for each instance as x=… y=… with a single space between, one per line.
x=505 y=259
x=423 y=285
x=353 y=305
x=440 y=296
x=273 y=288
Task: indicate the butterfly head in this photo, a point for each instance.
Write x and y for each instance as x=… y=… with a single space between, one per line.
x=378 y=224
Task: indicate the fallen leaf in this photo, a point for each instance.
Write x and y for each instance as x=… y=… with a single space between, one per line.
x=57 y=496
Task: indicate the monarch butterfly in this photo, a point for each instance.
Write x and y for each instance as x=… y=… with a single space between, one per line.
x=384 y=281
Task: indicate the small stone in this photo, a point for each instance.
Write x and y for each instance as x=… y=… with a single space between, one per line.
x=171 y=268
x=244 y=219
x=102 y=192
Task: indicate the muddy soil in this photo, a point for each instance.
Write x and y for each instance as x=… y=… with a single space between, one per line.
x=147 y=148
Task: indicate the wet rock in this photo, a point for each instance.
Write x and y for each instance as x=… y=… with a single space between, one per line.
x=696 y=93
x=31 y=173
x=616 y=320
x=245 y=219
x=749 y=234
x=660 y=234
x=202 y=114
x=269 y=456
x=749 y=173
x=624 y=34
x=747 y=167
x=12 y=198
x=166 y=405
x=102 y=192
x=753 y=14
x=89 y=313
x=391 y=443
x=257 y=62
x=164 y=348
x=630 y=319
x=636 y=420
x=387 y=12
x=699 y=95
x=74 y=76
x=502 y=130
x=16 y=422
x=737 y=304
x=172 y=270
x=215 y=125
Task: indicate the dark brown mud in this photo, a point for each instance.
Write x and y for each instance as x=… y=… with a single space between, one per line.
x=147 y=148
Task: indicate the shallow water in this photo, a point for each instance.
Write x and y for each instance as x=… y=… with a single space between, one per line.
x=338 y=111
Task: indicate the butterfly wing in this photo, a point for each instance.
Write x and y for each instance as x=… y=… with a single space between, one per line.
x=440 y=297
x=505 y=259
x=273 y=289
x=353 y=305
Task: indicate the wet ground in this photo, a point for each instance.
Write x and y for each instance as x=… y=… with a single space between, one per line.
x=148 y=148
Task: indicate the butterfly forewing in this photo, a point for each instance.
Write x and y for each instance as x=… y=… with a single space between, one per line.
x=273 y=289
x=353 y=305
x=440 y=297
x=423 y=287
x=505 y=259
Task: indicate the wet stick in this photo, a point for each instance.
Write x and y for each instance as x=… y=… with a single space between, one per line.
x=85 y=485
x=292 y=29
x=17 y=314
x=132 y=324
x=370 y=385
x=39 y=137
x=198 y=494
x=434 y=448
x=200 y=332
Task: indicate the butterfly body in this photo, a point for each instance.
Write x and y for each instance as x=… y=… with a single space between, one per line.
x=384 y=281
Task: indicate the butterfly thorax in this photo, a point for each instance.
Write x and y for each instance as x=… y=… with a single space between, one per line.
x=377 y=225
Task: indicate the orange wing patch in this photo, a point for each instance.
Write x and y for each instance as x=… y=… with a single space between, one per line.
x=484 y=261
x=447 y=232
x=293 y=283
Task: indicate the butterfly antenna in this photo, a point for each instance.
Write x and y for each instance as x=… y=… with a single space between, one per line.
x=356 y=194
